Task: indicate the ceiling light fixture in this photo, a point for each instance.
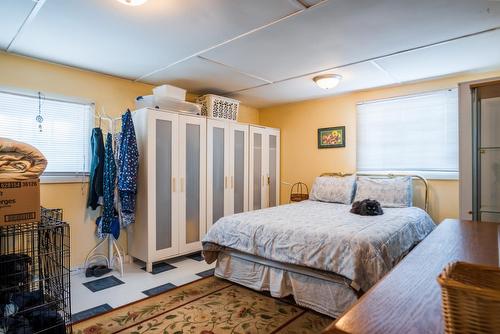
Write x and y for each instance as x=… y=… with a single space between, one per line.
x=133 y=2
x=328 y=81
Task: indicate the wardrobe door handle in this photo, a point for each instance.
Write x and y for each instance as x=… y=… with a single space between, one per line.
x=173 y=185
x=232 y=182
x=182 y=184
x=225 y=182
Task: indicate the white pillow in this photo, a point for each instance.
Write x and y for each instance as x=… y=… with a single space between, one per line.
x=395 y=192
x=333 y=189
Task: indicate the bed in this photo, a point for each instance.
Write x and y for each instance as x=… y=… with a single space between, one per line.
x=319 y=252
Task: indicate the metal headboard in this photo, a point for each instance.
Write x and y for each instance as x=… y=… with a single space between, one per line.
x=388 y=176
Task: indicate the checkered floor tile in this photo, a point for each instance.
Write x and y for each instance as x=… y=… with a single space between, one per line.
x=90 y=295
x=90 y=312
x=103 y=283
x=160 y=267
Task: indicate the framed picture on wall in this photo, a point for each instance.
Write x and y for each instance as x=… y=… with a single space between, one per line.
x=331 y=137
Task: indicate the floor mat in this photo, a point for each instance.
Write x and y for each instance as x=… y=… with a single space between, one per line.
x=103 y=283
x=209 y=305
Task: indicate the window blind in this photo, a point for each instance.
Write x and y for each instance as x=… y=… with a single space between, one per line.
x=417 y=133
x=65 y=135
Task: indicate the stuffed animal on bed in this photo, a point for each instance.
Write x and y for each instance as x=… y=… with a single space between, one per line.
x=367 y=207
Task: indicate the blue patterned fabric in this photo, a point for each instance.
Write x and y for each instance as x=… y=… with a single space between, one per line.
x=128 y=167
x=108 y=223
x=126 y=218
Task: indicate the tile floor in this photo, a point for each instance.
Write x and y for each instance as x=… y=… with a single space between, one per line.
x=91 y=296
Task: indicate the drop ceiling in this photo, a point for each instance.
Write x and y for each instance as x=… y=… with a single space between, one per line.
x=263 y=52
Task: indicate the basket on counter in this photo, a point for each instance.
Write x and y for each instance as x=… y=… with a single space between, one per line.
x=471 y=298
x=219 y=107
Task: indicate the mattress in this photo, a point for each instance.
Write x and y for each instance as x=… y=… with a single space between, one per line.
x=323 y=236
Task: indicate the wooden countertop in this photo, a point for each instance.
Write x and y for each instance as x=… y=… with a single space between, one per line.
x=408 y=299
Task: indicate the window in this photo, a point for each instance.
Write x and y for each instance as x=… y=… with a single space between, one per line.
x=65 y=135
x=417 y=133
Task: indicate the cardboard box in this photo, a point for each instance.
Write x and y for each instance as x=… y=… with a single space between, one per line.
x=19 y=201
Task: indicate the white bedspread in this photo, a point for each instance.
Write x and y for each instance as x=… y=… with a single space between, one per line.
x=323 y=236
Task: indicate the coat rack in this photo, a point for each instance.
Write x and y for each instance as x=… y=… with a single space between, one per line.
x=112 y=244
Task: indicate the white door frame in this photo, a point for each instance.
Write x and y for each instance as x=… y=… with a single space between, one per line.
x=465 y=146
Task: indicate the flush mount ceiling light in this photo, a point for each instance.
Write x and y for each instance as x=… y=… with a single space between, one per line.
x=327 y=81
x=132 y=2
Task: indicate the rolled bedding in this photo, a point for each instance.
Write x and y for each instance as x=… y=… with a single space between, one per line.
x=20 y=161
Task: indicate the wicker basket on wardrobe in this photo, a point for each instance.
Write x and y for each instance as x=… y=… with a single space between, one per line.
x=471 y=298
x=219 y=107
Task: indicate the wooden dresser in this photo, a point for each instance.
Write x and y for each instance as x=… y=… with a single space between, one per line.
x=408 y=299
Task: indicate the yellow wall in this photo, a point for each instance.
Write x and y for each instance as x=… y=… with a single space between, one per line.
x=301 y=160
x=112 y=93
x=248 y=114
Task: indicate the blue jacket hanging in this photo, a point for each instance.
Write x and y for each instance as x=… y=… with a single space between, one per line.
x=108 y=223
x=128 y=166
x=96 y=168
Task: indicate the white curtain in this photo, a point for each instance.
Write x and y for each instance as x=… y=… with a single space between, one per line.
x=65 y=135
x=410 y=133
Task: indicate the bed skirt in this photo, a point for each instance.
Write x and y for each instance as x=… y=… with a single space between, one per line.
x=326 y=293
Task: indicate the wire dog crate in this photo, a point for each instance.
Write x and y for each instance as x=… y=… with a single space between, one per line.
x=35 y=276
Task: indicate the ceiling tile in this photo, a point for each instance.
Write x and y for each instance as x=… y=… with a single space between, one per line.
x=355 y=77
x=12 y=15
x=109 y=37
x=342 y=32
x=200 y=76
x=472 y=53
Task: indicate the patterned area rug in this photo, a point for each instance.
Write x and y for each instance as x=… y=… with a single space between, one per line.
x=207 y=306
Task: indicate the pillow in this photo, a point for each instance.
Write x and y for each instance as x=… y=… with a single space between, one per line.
x=333 y=189
x=395 y=192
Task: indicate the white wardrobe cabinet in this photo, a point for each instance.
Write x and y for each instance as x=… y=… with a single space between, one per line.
x=227 y=169
x=193 y=171
x=171 y=214
x=264 y=167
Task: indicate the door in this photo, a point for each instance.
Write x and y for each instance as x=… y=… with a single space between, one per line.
x=489 y=160
x=238 y=168
x=164 y=186
x=217 y=170
x=192 y=182
x=272 y=167
x=256 y=169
